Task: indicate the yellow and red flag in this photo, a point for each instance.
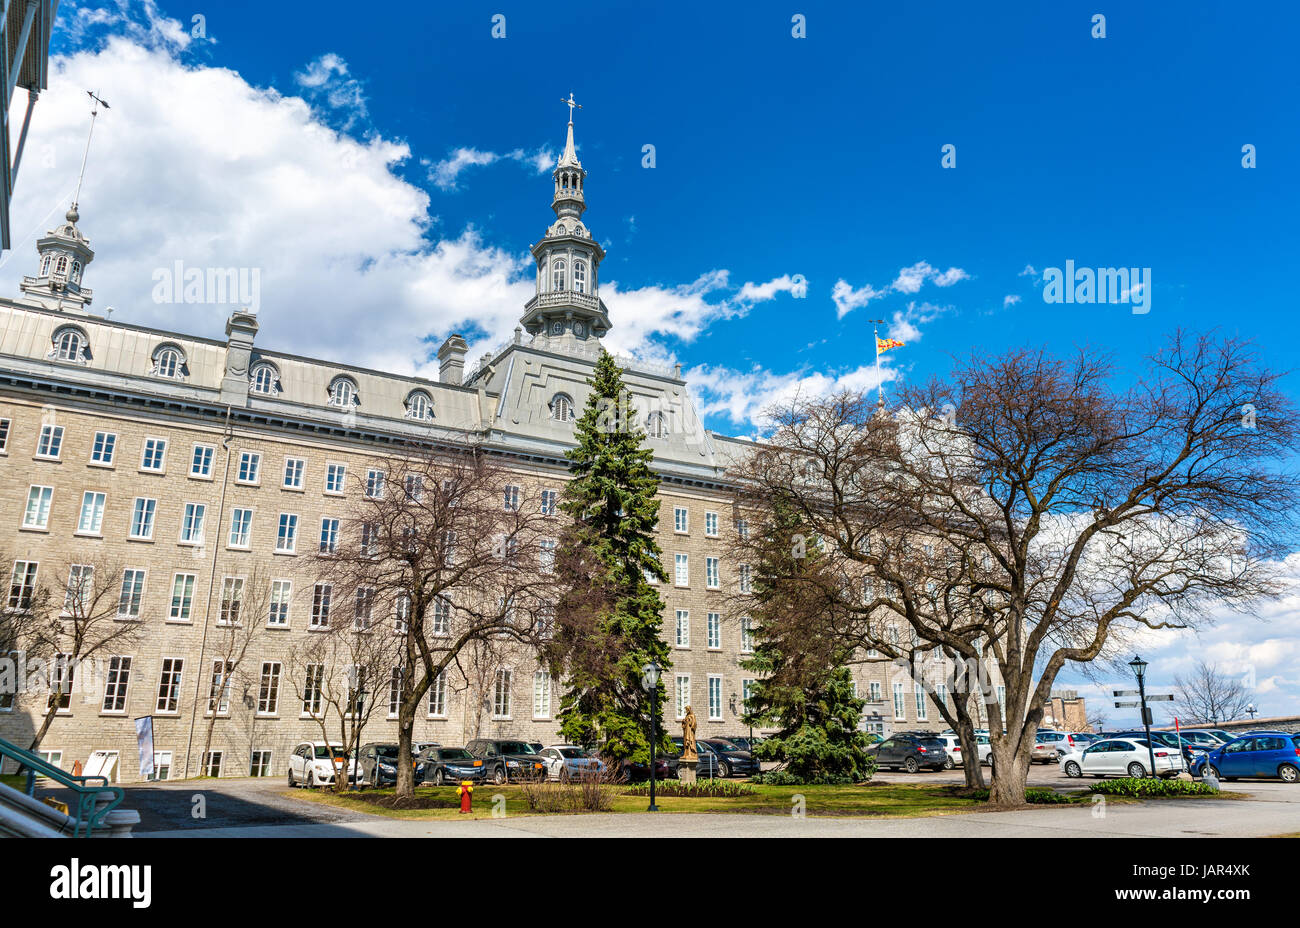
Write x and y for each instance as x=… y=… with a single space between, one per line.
x=884 y=344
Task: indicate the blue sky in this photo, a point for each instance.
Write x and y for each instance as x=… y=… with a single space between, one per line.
x=394 y=167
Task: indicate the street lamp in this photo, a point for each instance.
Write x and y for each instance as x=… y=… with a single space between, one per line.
x=1140 y=671
x=1251 y=710
x=650 y=682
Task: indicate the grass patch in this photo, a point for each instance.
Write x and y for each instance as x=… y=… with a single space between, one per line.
x=1034 y=795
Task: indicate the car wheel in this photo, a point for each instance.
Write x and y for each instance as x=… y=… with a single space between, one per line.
x=311 y=780
x=440 y=777
x=292 y=781
x=724 y=769
x=1289 y=773
x=948 y=764
x=1136 y=770
x=910 y=765
x=499 y=775
x=1072 y=769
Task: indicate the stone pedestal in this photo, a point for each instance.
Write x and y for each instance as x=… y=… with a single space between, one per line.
x=686 y=769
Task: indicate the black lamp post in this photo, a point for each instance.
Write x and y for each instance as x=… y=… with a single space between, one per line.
x=650 y=682
x=1140 y=671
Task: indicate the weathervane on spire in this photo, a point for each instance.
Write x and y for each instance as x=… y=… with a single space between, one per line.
x=96 y=102
x=571 y=105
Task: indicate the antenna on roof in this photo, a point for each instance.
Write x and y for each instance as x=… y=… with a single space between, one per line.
x=96 y=102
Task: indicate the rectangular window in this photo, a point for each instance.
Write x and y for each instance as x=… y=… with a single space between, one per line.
x=154 y=456
x=746 y=634
x=182 y=598
x=374 y=484
x=711 y=573
x=682 y=694
x=22 y=585
x=511 y=499
x=268 y=692
x=681 y=568
x=241 y=528
x=61 y=679
x=746 y=584
x=37 y=513
x=91 y=520
x=501 y=695
x=941 y=694
x=401 y=614
x=900 y=710
x=746 y=693
x=550 y=502
x=101 y=449
x=329 y=536
x=279 y=613
x=711 y=524
x=169 y=686
x=414 y=487
x=80 y=592
x=219 y=691
x=320 y=605
x=201 y=462
x=142 y=518
x=683 y=639
x=742 y=528
x=873 y=690
x=162 y=766
x=441 y=616
x=1002 y=703
x=680 y=520
x=541 y=695
x=287 y=536
x=119 y=675
x=438 y=696
x=546 y=554
x=50 y=442
x=128 y=604
x=293 y=473
x=4 y=435
x=921 y=714
x=715 y=697
x=232 y=599
x=715 y=629
x=313 y=688
x=365 y=605
x=250 y=464
x=394 y=692
x=336 y=478
x=211 y=764
x=192 y=524
x=260 y=764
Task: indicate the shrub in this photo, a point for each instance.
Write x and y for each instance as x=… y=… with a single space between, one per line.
x=784 y=776
x=1034 y=795
x=712 y=789
x=1151 y=788
x=586 y=795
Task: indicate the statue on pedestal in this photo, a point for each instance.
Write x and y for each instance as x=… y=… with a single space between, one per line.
x=688 y=736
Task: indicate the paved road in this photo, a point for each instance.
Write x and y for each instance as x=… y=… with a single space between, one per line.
x=254 y=808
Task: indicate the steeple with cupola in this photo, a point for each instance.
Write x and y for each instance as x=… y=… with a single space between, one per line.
x=62 y=255
x=567 y=307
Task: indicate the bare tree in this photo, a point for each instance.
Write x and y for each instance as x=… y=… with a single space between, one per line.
x=1207 y=695
x=453 y=550
x=1024 y=513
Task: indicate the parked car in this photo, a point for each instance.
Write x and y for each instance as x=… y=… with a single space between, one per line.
x=1215 y=735
x=536 y=746
x=746 y=744
x=1061 y=743
x=318 y=763
x=707 y=768
x=378 y=763
x=1164 y=738
x=566 y=762
x=418 y=746
x=732 y=761
x=1123 y=757
x=440 y=766
x=910 y=752
x=1271 y=755
x=507 y=760
x=952 y=744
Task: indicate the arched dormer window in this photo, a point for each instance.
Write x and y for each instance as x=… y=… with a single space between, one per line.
x=343 y=392
x=69 y=343
x=76 y=272
x=265 y=379
x=656 y=425
x=419 y=406
x=562 y=407
x=558 y=279
x=61 y=265
x=580 y=276
x=45 y=264
x=169 y=361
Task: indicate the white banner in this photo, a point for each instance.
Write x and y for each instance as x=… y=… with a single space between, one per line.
x=144 y=740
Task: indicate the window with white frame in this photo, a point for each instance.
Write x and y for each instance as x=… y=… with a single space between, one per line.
x=37 y=513
x=102 y=448
x=201 y=462
x=259 y=764
x=336 y=476
x=394 y=692
x=268 y=691
x=711 y=573
x=279 y=609
x=681 y=570
x=715 y=697
x=286 y=538
x=313 y=689
x=169 y=362
x=546 y=554
x=562 y=408
x=343 y=393
x=873 y=690
x=510 y=499
x=746 y=582
x=169 y=686
x=79 y=596
x=62 y=676
x=746 y=634
x=91 y=520
x=211 y=763
x=364 y=607
x=501 y=694
x=22 y=585
x=558 y=275
x=321 y=596
x=115 y=684
x=941 y=694
x=419 y=406
x=329 y=536
x=293 y=473
x=142 y=518
x=219 y=688
x=742 y=528
x=241 y=527
x=711 y=524
x=192 y=523
x=374 y=484
x=162 y=766
x=900 y=704
x=5 y=425
x=441 y=616
x=580 y=276
x=438 y=697
x=681 y=520
x=683 y=639
x=232 y=600
x=154 y=455
x=414 y=487
x=250 y=466
x=50 y=442
x=656 y=425
x=682 y=694
x=182 y=598
x=921 y=713
x=746 y=692
x=715 y=630
x=264 y=379
x=550 y=502
x=69 y=343
x=541 y=695
x=128 y=604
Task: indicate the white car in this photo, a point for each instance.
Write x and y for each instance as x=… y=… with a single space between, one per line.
x=569 y=762
x=1122 y=757
x=317 y=763
x=952 y=744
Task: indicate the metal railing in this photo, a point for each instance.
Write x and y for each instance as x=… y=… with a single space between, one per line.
x=89 y=810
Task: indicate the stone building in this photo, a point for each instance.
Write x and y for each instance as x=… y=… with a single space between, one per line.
x=177 y=460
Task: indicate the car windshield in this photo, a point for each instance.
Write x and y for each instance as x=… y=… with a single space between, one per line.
x=387 y=751
x=931 y=743
x=516 y=747
x=726 y=747
x=572 y=752
x=322 y=751
x=454 y=754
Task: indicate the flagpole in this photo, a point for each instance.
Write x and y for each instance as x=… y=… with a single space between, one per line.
x=880 y=381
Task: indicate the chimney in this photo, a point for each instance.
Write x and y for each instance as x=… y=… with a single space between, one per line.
x=451 y=360
x=241 y=329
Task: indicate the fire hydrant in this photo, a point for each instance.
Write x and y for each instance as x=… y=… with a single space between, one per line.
x=466 y=793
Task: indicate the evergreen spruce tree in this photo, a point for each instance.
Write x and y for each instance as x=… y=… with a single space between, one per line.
x=803 y=685
x=609 y=623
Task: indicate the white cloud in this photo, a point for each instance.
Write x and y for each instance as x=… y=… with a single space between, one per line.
x=445 y=173
x=910 y=280
x=847 y=299
x=1029 y=271
x=796 y=286
x=905 y=324
x=1010 y=299
x=743 y=396
x=326 y=80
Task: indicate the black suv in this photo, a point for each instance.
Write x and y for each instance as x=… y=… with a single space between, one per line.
x=507 y=760
x=378 y=763
x=911 y=751
x=732 y=760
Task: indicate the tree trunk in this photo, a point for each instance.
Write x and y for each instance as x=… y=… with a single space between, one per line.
x=1010 y=772
x=405 y=788
x=969 y=751
x=45 y=725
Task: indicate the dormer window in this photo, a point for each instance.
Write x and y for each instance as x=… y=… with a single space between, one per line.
x=45 y=264
x=558 y=279
x=61 y=265
x=580 y=276
x=343 y=393
x=419 y=406
x=76 y=272
x=168 y=361
x=265 y=379
x=656 y=425
x=562 y=408
x=70 y=344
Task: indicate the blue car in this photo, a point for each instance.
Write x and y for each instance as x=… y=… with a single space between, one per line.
x=1271 y=755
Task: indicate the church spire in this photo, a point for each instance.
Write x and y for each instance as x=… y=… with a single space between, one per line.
x=567 y=305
